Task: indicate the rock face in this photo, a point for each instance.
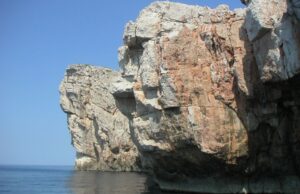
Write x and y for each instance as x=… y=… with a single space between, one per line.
x=180 y=62
x=275 y=34
x=100 y=132
x=206 y=101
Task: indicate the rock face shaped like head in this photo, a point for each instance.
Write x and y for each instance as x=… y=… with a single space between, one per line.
x=174 y=95
x=201 y=93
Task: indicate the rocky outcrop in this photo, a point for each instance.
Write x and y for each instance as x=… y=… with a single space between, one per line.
x=206 y=101
x=275 y=33
x=100 y=132
x=180 y=61
x=274 y=107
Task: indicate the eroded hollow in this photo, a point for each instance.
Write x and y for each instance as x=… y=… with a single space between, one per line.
x=126 y=103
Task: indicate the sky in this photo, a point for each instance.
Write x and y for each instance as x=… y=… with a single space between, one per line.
x=38 y=40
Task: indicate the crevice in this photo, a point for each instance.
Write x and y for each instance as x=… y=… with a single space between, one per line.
x=98 y=139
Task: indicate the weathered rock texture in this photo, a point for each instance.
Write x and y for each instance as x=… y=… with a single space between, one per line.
x=100 y=132
x=207 y=99
x=275 y=33
x=180 y=61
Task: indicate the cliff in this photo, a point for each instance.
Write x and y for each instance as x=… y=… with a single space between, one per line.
x=207 y=100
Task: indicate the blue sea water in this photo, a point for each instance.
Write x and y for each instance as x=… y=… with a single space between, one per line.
x=65 y=180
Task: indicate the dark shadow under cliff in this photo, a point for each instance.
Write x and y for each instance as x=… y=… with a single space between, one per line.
x=271 y=114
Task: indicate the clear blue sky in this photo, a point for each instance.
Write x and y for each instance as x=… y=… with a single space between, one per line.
x=38 y=39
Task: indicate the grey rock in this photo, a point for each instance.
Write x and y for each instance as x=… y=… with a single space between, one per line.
x=100 y=132
x=295 y=4
x=168 y=97
x=263 y=16
x=274 y=36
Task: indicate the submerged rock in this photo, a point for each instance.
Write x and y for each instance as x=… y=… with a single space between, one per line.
x=206 y=100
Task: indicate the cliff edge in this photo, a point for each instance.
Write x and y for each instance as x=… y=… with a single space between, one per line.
x=207 y=100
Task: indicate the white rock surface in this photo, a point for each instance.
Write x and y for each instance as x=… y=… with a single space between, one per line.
x=100 y=132
x=274 y=32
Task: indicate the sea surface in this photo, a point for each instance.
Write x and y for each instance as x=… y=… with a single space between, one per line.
x=65 y=180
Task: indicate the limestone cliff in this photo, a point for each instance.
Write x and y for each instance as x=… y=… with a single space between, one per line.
x=100 y=132
x=206 y=100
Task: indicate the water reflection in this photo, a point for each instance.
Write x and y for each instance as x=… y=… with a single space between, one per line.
x=111 y=183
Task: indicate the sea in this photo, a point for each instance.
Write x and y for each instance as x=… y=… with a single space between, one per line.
x=65 y=180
